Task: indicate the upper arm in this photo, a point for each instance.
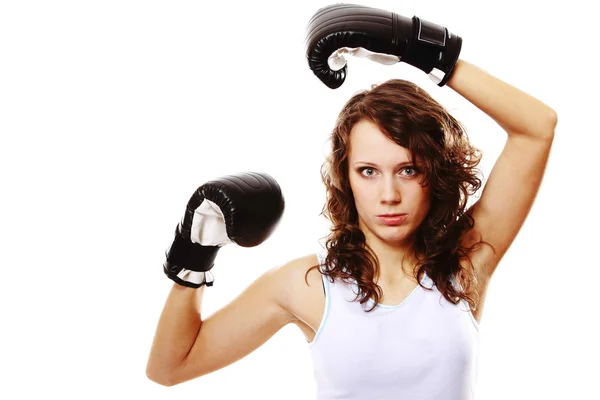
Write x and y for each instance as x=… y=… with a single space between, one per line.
x=241 y=326
x=507 y=198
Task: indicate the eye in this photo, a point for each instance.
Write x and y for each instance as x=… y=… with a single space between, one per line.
x=366 y=171
x=410 y=171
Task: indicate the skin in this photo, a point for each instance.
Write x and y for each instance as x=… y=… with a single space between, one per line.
x=384 y=180
x=188 y=345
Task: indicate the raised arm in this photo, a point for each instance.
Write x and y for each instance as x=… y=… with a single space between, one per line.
x=186 y=346
x=242 y=209
x=516 y=177
x=389 y=37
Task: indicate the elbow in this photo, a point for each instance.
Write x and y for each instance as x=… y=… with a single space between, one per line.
x=171 y=374
x=554 y=116
x=546 y=127
x=161 y=376
x=551 y=122
x=541 y=127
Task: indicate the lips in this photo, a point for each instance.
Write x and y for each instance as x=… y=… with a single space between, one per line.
x=392 y=219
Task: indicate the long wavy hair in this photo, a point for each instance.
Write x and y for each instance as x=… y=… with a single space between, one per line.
x=410 y=117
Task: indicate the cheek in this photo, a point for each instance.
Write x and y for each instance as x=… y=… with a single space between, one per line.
x=361 y=194
x=421 y=199
x=364 y=195
x=425 y=204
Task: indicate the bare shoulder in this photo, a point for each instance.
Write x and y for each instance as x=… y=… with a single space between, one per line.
x=300 y=268
x=304 y=295
x=279 y=296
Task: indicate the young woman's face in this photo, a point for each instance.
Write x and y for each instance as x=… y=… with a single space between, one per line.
x=386 y=184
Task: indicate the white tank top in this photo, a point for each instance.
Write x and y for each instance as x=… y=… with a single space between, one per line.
x=424 y=348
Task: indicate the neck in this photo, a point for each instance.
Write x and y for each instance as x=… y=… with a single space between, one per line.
x=396 y=261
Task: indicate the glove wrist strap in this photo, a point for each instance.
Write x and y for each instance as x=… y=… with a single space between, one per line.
x=192 y=279
x=434 y=50
x=189 y=263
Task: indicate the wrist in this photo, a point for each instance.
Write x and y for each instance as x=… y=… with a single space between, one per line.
x=189 y=264
x=434 y=50
x=187 y=278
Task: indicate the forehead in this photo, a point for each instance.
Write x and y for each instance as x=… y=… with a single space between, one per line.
x=368 y=143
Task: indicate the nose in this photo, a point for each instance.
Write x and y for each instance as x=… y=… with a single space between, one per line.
x=390 y=190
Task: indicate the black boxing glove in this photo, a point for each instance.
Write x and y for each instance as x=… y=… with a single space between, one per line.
x=381 y=36
x=243 y=209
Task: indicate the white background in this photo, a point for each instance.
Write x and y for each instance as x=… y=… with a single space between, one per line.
x=113 y=112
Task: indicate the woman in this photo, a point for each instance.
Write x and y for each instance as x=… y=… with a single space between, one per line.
x=392 y=307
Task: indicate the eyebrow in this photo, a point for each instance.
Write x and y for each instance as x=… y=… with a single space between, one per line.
x=402 y=164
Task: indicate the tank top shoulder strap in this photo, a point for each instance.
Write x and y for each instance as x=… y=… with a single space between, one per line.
x=321 y=259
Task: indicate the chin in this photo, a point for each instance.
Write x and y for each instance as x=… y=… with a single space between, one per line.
x=394 y=234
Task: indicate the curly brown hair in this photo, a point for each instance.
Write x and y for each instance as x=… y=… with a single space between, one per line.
x=410 y=117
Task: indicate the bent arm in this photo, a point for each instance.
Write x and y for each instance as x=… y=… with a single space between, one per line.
x=517 y=112
x=177 y=329
x=186 y=346
x=516 y=176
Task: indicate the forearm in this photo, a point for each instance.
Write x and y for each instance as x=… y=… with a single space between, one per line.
x=514 y=110
x=176 y=332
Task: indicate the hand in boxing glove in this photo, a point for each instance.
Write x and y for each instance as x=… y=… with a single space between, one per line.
x=381 y=36
x=243 y=209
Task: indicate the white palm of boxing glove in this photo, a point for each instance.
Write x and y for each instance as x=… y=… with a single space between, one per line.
x=337 y=59
x=208 y=229
x=208 y=225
